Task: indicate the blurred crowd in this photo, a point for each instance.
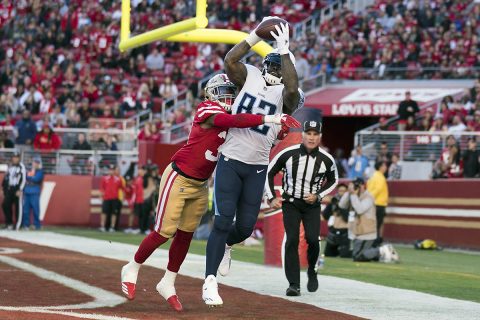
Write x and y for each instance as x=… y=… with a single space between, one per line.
x=398 y=39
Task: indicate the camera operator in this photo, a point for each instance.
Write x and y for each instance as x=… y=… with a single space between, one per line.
x=338 y=243
x=361 y=202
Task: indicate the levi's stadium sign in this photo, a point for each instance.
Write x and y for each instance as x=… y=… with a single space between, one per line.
x=371 y=102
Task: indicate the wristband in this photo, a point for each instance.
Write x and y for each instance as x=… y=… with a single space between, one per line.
x=272 y=118
x=252 y=39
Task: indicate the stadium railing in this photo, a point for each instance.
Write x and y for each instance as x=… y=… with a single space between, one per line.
x=410 y=145
x=74 y=162
x=410 y=73
x=125 y=139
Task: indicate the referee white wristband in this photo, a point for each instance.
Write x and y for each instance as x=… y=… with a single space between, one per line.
x=252 y=39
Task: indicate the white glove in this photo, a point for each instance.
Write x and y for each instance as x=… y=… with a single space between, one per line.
x=282 y=37
x=252 y=39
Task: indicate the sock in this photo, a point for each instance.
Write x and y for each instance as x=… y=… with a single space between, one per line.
x=149 y=244
x=130 y=272
x=178 y=250
x=166 y=286
x=215 y=250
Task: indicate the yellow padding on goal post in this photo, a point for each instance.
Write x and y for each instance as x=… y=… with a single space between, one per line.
x=190 y=30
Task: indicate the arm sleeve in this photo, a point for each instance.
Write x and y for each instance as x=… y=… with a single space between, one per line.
x=241 y=120
x=332 y=181
x=361 y=206
x=274 y=167
x=24 y=177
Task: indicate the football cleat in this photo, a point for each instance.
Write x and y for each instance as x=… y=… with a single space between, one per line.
x=224 y=267
x=129 y=276
x=210 y=292
x=128 y=290
x=167 y=291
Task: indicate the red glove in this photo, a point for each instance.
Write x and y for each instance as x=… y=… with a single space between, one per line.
x=282 y=134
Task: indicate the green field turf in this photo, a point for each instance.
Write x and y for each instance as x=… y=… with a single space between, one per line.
x=443 y=273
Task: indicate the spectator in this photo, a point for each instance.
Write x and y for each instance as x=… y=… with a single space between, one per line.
x=407 y=108
x=57 y=115
x=139 y=202
x=12 y=186
x=395 y=170
x=471 y=159
x=79 y=163
x=26 y=129
x=383 y=155
x=109 y=188
x=438 y=125
x=457 y=126
x=338 y=243
x=302 y=66
x=377 y=186
x=31 y=193
x=155 y=60
x=5 y=142
x=108 y=144
x=454 y=168
x=47 y=140
x=168 y=90
x=364 y=230
x=357 y=164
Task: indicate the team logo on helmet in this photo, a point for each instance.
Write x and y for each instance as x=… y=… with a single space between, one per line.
x=220 y=89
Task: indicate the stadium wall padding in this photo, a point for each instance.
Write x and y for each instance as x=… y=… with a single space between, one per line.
x=69 y=204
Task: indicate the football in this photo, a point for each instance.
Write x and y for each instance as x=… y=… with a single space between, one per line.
x=264 y=28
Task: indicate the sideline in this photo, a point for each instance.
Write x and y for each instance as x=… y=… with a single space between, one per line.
x=336 y=294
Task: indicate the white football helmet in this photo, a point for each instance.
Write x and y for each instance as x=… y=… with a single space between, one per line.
x=220 y=89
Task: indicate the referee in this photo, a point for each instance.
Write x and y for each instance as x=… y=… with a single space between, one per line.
x=309 y=174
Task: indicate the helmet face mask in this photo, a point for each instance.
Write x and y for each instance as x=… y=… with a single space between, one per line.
x=221 y=90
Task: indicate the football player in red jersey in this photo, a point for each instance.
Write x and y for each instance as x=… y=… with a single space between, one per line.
x=183 y=195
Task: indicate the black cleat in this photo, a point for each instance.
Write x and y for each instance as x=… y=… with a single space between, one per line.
x=312 y=284
x=293 y=291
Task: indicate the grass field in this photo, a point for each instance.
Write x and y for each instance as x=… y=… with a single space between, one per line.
x=443 y=273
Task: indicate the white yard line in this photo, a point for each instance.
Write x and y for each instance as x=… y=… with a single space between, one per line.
x=101 y=298
x=337 y=294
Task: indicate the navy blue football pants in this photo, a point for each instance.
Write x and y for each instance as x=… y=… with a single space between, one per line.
x=238 y=192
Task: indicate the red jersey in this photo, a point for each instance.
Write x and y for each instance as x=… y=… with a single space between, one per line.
x=138 y=189
x=198 y=157
x=110 y=186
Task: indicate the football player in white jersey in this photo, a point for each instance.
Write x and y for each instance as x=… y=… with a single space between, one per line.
x=242 y=168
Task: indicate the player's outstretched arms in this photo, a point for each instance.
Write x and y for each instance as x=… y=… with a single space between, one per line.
x=247 y=120
x=235 y=70
x=289 y=74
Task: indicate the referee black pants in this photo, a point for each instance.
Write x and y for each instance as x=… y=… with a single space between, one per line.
x=294 y=213
x=10 y=199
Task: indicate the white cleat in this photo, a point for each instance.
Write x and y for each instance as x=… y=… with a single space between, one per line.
x=224 y=267
x=210 y=292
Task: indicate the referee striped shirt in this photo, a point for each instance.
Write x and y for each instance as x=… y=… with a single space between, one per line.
x=304 y=172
